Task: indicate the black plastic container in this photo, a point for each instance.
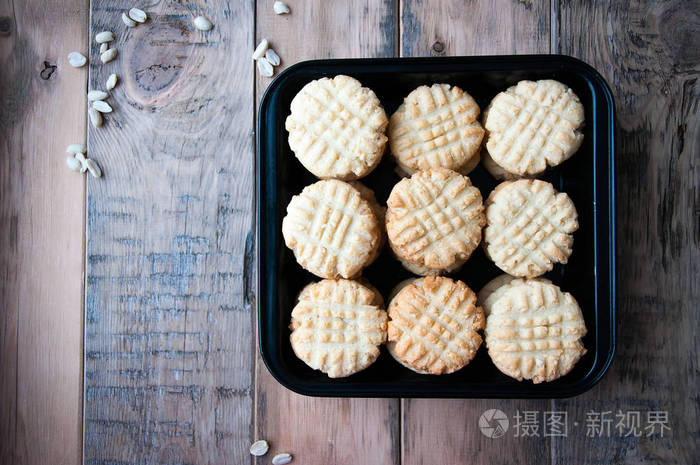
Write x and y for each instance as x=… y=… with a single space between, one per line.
x=587 y=177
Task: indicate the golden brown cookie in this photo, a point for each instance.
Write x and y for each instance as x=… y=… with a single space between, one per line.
x=465 y=170
x=337 y=128
x=401 y=285
x=379 y=212
x=529 y=227
x=534 y=331
x=378 y=298
x=331 y=229
x=434 y=325
x=496 y=170
x=469 y=166
x=492 y=290
x=425 y=271
x=436 y=126
x=533 y=125
x=434 y=219
x=337 y=326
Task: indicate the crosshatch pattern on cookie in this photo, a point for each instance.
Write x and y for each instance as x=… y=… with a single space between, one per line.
x=529 y=227
x=434 y=218
x=434 y=324
x=337 y=327
x=336 y=128
x=435 y=127
x=331 y=229
x=533 y=125
x=534 y=331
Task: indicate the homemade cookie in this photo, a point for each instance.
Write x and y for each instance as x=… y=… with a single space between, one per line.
x=433 y=325
x=425 y=271
x=436 y=126
x=533 y=125
x=368 y=195
x=401 y=285
x=337 y=128
x=494 y=169
x=379 y=213
x=337 y=326
x=434 y=219
x=534 y=331
x=492 y=290
x=378 y=299
x=331 y=229
x=469 y=166
x=529 y=227
x=465 y=169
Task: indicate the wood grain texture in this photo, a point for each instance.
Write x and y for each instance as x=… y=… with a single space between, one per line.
x=168 y=325
x=456 y=27
x=446 y=431
x=42 y=102
x=320 y=431
x=649 y=53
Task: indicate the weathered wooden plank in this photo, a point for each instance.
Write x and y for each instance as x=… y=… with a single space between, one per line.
x=648 y=52
x=41 y=214
x=168 y=325
x=41 y=206
x=446 y=431
x=321 y=431
x=474 y=28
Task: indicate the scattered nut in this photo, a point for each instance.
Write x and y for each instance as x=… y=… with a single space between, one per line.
x=128 y=21
x=104 y=47
x=95 y=170
x=272 y=57
x=109 y=55
x=259 y=448
x=111 y=82
x=97 y=95
x=76 y=59
x=281 y=459
x=280 y=8
x=95 y=117
x=104 y=36
x=83 y=161
x=75 y=148
x=260 y=49
x=138 y=15
x=73 y=163
x=265 y=68
x=102 y=106
x=202 y=23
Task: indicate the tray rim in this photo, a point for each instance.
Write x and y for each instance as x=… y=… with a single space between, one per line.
x=600 y=368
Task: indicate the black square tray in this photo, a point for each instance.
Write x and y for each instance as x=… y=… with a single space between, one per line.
x=587 y=177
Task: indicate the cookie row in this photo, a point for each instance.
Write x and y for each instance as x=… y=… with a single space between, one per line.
x=433 y=222
x=433 y=325
x=339 y=129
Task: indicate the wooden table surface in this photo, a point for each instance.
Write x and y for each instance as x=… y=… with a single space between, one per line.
x=127 y=303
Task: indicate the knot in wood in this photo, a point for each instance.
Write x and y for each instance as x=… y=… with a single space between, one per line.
x=438 y=47
x=5 y=26
x=48 y=70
